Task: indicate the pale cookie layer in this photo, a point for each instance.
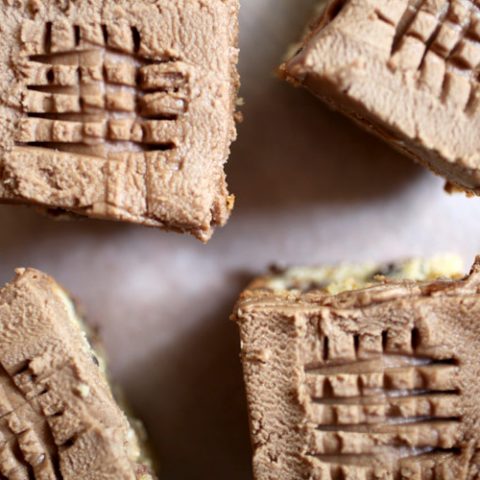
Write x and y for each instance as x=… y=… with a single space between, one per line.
x=374 y=383
x=58 y=419
x=406 y=70
x=119 y=110
x=343 y=277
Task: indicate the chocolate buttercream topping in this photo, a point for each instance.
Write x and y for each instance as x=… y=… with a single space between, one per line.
x=378 y=382
x=405 y=70
x=119 y=110
x=58 y=419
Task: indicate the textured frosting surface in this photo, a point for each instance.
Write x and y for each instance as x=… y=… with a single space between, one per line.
x=374 y=383
x=120 y=110
x=405 y=70
x=58 y=419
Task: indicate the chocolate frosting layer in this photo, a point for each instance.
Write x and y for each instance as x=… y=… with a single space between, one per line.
x=120 y=110
x=58 y=418
x=404 y=70
x=380 y=382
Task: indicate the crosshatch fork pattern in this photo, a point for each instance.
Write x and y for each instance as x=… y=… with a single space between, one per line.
x=380 y=396
x=441 y=40
x=28 y=446
x=121 y=111
x=94 y=92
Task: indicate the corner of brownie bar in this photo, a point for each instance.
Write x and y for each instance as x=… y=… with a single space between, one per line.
x=120 y=110
x=58 y=416
x=405 y=71
x=378 y=380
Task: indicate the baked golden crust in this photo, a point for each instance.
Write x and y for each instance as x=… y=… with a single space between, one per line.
x=404 y=70
x=120 y=110
x=58 y=419
x=380 y=382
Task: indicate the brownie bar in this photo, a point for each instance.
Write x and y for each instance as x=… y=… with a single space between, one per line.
x=405 y=70
x=58 y=419
x=376 y=382
x=120 y=110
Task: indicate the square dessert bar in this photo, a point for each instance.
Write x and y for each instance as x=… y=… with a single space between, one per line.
x=406 y=70
x=58 y=418
x=375 y=378
x=119 y=110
